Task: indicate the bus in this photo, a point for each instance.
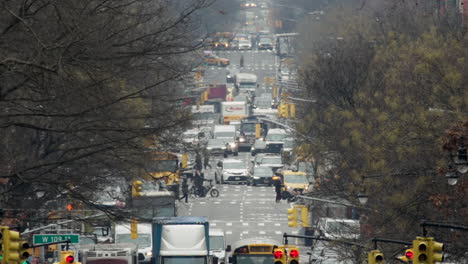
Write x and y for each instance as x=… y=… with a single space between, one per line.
x=163 y=166
x=253 y=251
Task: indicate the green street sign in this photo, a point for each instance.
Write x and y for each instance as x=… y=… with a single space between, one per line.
x=51 y=238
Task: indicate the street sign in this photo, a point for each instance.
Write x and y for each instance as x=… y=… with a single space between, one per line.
x=50 y=238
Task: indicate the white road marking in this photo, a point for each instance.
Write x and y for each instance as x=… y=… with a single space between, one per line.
x=245 y=232
x=228 y=232
x=228 y=224
x=278 y=232
x=261 y=224
x=245 y=224
x=212 y=224
x=262 y=232
x=277 y=224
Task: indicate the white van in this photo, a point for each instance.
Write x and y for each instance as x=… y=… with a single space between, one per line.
x=144 y=240
x=218 y=245
x=224 y=131
x=336 y=228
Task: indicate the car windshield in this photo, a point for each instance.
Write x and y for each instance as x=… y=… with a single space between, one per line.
x=264 y=104
x=263 y=171
x=272 y=160
x=276 y=137
x=243 y=41
x=217 y=142
x=234 y=165
x=343 y=227
x=248 y=127
x=143 y=240
x=265 y=41
x=273 y=148
x=254 y=259
x=225 y=134
x=291 y=178
x=216 y=242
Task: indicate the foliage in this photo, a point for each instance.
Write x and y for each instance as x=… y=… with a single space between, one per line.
x=388 y=80
x=83 y=83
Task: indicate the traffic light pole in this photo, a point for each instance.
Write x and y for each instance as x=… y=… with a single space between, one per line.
x=285 y=236
x=61 y=223
x=441 y=225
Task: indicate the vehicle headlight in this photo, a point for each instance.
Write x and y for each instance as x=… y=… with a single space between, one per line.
x=289 y=188
x=223 y=147
x=149 y=253
x=256 y=178
x=233 y=145
x=209 y=148
x=260 y=138
x=242 y=139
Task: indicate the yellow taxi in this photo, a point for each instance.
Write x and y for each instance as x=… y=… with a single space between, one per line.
x=294 y=183
x=211 y=59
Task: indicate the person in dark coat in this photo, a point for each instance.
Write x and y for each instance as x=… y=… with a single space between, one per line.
x=185 y=190
x=278 y=185
x=198 y=181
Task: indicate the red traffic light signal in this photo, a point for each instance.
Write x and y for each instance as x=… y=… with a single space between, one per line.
x=293 y=253
x=69 y=259
x=409 y=254
x=278 y=254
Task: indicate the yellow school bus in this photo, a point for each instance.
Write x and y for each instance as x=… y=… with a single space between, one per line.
x=253 y=250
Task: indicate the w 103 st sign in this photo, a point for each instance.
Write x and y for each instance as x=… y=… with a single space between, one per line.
x=54 y=238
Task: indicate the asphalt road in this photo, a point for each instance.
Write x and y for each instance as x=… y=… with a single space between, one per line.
x=243 y=211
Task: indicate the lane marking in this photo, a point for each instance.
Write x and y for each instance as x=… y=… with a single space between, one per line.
x=228 y=224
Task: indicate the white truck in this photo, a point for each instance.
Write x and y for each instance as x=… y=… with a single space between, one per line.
x=144 y=240
x=108 y=253
x=218 y=246
x=181 y=240
x=246 y=82
x=203 y=115
x=232 y=111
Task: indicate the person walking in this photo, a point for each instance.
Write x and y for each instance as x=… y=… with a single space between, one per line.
x=242 y=61
x=198 y=181
x=278 y=185
x=185 y=190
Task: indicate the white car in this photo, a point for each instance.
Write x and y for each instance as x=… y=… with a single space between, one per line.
x=232 y=171
x=245 y=44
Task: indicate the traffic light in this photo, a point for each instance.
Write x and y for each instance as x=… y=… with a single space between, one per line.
x=293 y=256
x=280 y=256
x=10 y=246
x=292 y=110
x=420 y=247
x=435 y=251
x=67 y=257
x=134 y=229
x=137 y=187
x=258 y=130
x=283 y=110
x=292 y=217
x=409 y=254
x=375 y=257
x=305 y=216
